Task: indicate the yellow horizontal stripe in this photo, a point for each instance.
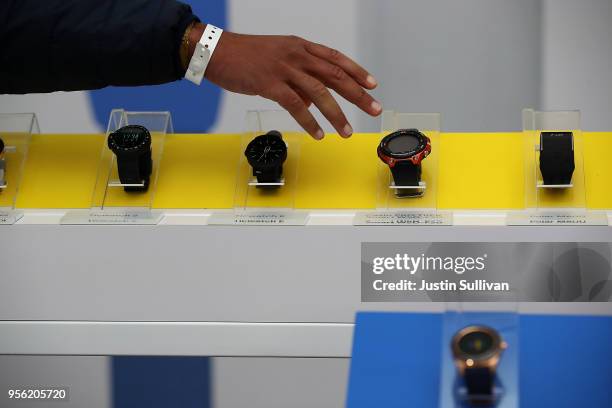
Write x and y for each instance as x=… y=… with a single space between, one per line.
x=464 y=171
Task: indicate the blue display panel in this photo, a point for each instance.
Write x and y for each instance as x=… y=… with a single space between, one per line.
x=564 y=361
x=194 y=108
x=161 y=382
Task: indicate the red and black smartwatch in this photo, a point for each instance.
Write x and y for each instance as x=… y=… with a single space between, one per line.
x=403 y=151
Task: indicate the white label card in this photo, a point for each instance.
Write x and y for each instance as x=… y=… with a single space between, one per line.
x=9 y=217
x=404 y=218
x=557 y=219
x=259 y=218
x=112 y=217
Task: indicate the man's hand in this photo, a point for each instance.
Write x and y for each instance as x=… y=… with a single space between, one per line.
x=295 y=73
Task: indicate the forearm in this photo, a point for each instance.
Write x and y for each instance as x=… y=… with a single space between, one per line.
x=64 y=45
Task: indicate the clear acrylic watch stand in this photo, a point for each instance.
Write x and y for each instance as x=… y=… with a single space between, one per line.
x=16 y=131
x=536 y=122
x=258 y=203
x=554 y=204
x=503 y=317
x=419 y=205
x=111 y=204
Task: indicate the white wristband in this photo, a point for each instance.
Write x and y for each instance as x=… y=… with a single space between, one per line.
x=203 y=53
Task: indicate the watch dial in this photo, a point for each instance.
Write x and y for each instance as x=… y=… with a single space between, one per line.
x=476 y=343
x=130 y=137
x=403 y=143
x=267 y=149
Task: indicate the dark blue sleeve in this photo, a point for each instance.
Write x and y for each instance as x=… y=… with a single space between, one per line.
x=67 y=45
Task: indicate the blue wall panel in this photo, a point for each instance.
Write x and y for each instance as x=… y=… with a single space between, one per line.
x=161 y=382
x=194 y=108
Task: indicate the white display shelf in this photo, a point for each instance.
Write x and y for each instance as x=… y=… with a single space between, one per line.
x=184 y=288
x=316 y=217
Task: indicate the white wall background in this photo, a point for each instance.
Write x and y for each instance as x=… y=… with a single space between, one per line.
x=476 y=61
x=577 y=59
x=479 y=62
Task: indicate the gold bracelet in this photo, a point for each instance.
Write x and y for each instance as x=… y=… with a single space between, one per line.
x=184 y=52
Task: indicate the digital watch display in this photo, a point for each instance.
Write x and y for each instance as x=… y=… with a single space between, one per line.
x=557 y=157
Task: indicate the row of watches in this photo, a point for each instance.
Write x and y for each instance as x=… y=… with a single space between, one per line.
x=403 y=151
x=132 y=147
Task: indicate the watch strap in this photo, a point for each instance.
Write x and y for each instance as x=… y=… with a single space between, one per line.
x=479 y=381
x=202 y=54
x=135 y=170
x=480 y=385
x=270 y=175
x=405 y=173
x=2 y=172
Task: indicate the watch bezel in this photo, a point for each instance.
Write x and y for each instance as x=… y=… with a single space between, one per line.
x=488 y=360
x=416 y=155
x=141 y=147
x=252 y=145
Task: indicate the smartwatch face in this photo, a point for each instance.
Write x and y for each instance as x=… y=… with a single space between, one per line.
x=404 y=143
x=476 y=344
x=129 y=138
x=557 y=141
x=266 y=150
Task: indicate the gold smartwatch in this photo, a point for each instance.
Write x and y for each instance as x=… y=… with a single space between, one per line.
x=477 y=351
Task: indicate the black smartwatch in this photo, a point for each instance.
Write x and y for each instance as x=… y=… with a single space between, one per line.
x=557 y=157
x=132 y=146
x=477 y=351
x=403 y=151
x=266 y=154
x=2 y=165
